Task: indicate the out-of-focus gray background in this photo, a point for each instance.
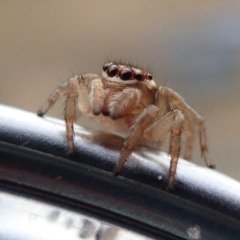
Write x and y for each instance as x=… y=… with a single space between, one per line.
x=192 y=47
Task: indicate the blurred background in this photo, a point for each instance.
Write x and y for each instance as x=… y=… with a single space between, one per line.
x=190 y=46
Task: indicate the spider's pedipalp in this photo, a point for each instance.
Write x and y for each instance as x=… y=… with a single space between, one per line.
x=124 y=102
x=96 y=96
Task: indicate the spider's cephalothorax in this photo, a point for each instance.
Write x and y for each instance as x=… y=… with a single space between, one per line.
x=145 y=111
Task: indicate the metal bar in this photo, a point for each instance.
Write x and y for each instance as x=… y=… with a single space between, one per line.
x=205 y=204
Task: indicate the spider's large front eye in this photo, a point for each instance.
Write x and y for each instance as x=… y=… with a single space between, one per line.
x=139 y=76
x=126 y=74
x=112 y=71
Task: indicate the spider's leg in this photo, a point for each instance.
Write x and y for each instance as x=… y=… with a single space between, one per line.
x=174 y=146
x=75 y=88
x=203 y=143
x=70 y=114
x=143 y=121
x=175 y=101
x=160 y=129
x=188 y=129
x=52 y=99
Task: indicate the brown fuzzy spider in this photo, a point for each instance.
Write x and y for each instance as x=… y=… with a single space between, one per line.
x=128 y=99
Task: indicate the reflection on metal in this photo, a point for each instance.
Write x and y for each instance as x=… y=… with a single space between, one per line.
x=23 y=218
x=194 y=232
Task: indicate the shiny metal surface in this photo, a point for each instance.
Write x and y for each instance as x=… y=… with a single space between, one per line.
x=34 y=163
x=28 y=219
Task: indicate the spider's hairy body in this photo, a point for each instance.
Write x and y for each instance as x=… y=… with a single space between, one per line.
x=128 y=99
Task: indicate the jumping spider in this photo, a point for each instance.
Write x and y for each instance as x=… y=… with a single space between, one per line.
x=128 y=98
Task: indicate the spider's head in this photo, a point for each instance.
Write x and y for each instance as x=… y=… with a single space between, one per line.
x=124 y=72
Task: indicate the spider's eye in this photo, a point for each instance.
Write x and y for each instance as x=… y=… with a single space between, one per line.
x=112 y=71
x=126 y=74
x=105 y=66
x=150 y=76
x=139 y=76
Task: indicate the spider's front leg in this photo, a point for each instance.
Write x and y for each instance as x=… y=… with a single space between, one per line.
x=76 y=90
x=143 y=121
x=70 y=89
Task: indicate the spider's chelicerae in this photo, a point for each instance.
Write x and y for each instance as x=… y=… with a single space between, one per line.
x=128 y=98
